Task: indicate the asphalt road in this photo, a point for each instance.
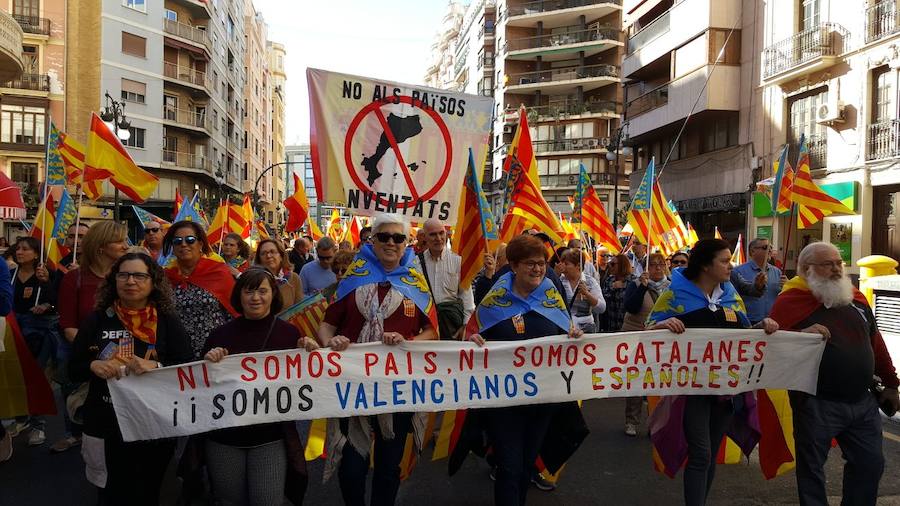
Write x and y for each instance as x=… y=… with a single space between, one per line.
x=609 y=468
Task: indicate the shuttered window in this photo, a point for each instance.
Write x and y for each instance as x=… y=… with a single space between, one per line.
x=134 y=45
x=887 y=311
x=134 y=91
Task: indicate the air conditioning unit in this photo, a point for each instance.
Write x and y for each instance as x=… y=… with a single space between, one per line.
x=593 y=143
x=830 y=112
x=508 y=129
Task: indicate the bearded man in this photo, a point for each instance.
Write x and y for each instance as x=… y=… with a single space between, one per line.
x=821 y=299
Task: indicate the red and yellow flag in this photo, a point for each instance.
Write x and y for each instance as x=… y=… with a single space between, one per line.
x=24 y=389
x=813 y=204
x=475 y=226
x=335 y=228
x=297 y=206
x=42 y=230
x=106 y=157
x=247 y=215
x=315 y=231
x=179 y=201
x=72 y=154
x=739 y=257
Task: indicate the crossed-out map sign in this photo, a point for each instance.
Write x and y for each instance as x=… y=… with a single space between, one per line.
x=380 y=146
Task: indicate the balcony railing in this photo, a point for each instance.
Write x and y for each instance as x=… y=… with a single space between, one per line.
x=486 y=30
x=653 y=30
x=881 y=20
x=570 y=144
x=185 y=74
x=648 y=101
x=36 y=82
x=193 y=118
x=553 y=5
x=554 y=181
x=564 y=74
x=884 y=140
x=486 y=61
x=827 y=39
x=186 y=160
x=186 y=31
x=33 y=24
x=575 y=36
x=571 y=107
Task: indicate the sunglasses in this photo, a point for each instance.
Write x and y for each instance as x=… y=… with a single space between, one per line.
x=151 y=230
x=385 y=237
x=188 y=239
x=678 y=262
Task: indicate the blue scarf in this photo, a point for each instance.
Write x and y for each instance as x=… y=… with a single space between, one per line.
x=683 y=296
x=366 y=269
x=501 y=303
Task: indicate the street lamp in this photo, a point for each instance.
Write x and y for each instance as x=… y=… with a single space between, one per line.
x=114 y=116
x=220 y=181
x=259 y=179
x=614 y=154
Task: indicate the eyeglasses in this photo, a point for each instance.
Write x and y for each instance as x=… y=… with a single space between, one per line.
x=531 y=264
x=262 y=292
x=385 y=237
x=657 y=264
x=836 y=264
x=139 y=277
x=152 y=230
x=188 y=239
x=269 y=253
x=678 y=262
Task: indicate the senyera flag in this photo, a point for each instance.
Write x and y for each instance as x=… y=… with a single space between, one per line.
x=297 y=206
x=107 y=158
x=381 y=146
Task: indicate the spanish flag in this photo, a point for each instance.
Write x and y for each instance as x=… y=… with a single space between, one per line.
x=246 y=213
x=24 y=389
x=107 y=158
x=72 y=154
x=42 y=230
x=297 y=206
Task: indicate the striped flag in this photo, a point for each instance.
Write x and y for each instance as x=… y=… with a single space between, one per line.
x=71 y=153
x=521 y=164
x=189 y=213
x=782 y=183
x=107 y=158
x=42 y=230
x=475 y=226
x=813 y=204
x=24 y=389
x=335 y=229
x=692 y=235
x=146 y=217
x=307 y=314
x=668 y=229
x=314 y=231
x=739 y=257
x=247 y=213
x=529 y=204
x=179 y=201
x=639 y=214
x=297 y=206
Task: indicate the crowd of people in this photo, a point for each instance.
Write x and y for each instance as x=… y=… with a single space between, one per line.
x=114 y=309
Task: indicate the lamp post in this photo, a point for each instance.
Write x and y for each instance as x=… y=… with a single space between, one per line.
x=260 y=176
x=114 y=116
x=614 y=151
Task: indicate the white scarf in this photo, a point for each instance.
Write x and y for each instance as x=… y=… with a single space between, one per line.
x=375 y=313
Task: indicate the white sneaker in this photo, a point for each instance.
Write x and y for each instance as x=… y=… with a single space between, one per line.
x=36 y=438
x=17 y=428
x=630 y=430
x=6 y=448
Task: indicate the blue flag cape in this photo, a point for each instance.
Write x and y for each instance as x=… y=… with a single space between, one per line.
x=683 y=296
x=501 y=303
x=366 y=269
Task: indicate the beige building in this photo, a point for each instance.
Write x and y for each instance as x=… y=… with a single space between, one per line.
x=278 y=79
x=256 y=116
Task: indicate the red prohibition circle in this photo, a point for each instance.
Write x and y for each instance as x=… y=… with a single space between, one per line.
x=445 y=133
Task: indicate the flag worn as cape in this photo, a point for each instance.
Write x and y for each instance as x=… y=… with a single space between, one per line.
x=683 y=296
x=211 y=274
x=501 y=303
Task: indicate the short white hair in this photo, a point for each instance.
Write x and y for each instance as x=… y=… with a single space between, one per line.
x=389 y=219
x=812 y=250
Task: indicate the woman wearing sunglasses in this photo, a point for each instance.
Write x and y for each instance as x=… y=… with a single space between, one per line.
x=201 y=282
x=133 y=330
x=678 y=259
x=271 y=256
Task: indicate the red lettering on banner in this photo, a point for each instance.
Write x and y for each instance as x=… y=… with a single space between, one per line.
x=271 y=367
x=682 y=376
x=631 y=374
x=714 y=376
x=742 y=351
x=760 y=351
x=293 y=363
x=694 y=383
x=571 y=355
x=537 y=356
x=315 y=365
x=187 y=377
x=205 y=374
x=657 y=346
x=616 y=374
x=390 y=365
x=519 y=356
x=466 y=360
x=370 y=359
x=430 y=366
x=708 y=354
x=676 y=353
x=639 y=355
x=484 y=357
x=554 y=353
x=620 y=358
x=589 y=358
x=333 y=360
x=690 y=350
x=409 y=363
x=649 y=381
x=725 y=351
x=246 y=364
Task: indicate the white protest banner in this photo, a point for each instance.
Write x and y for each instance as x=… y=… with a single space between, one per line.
x=445 y=375
x=381 y=146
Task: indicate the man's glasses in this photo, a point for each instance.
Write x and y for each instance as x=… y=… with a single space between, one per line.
x=139 y=277
x=188 y=239
x=152 y=230
x=385 y=237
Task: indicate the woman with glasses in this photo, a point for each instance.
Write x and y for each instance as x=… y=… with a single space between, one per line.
x=249 y=465
x=133 y=330
x=613 y=288
x=701 y=296
x=678 y=259
x=271 y=256
x=640 y=295
x=583 y=292
x=523 y=304
x=201 y=282
x=236 y=253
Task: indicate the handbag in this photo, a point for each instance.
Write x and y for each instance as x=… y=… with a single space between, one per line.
x=878 y=390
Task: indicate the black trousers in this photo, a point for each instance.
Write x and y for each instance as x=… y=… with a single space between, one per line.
x=516 y=434
x=706 y=418
x=386 y=478
x=135 y=471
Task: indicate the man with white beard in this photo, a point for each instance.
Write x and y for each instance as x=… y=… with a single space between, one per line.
x=821 y=299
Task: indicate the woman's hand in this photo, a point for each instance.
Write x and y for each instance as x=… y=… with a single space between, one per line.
x=138 y=365
x=307 y=343
x=644 y=279
x=106 y=369
x=818 y=328
x=216 y=354
x=672 y=324
x=42 y=274
x=41 y=308
x=575 y=332
x=618 y=285
x=767 y=324
x=392 y=338
x=338 y=343
x=477 y=339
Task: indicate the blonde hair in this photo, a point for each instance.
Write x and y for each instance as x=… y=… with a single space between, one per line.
x=98 y=236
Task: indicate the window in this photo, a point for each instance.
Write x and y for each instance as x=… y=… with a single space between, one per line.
x=25 y=172
x=27 y=7
x=802 y=120
x=137 y=5
x=883 y=106
x=215 y=119
x=170 y=107
x=245 y=172
x=134 y=45
x=171 y=15
x=809 y=14
x=134 y=91
x=30 y=60
x=137 y=137
x=22 y=124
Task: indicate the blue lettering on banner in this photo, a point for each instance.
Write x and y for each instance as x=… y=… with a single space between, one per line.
x=437 y=396
x=396 y=384
x=375 y=402
x=528 y=379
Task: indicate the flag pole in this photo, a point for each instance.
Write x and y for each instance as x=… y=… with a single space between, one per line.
x=650 y=220
x=77 y=224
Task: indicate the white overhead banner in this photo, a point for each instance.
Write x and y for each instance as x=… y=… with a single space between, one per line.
x=445 y=375
x=380 y=146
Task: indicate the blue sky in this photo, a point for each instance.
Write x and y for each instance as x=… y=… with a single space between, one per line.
x=388 y=40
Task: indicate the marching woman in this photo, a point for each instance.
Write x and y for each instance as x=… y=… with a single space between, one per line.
x=201 y=283
x=701 y=296
x=583 y=292
x=618 y=277
x=523 y=304
x=384 y=299
x=250 y=465
x=236 y=253
x=271 y=256
x=133 y=330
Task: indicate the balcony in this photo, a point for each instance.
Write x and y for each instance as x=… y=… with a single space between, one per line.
x=34 y=82
x=881 y=20
x=186 y=118
x=33 y=24
x=486 y=61
x=561 y=46
x=486 y=31
x=558 y=12
x=189 y=161
x=813 y=49
x=570 y=145
x=883 y=140
x=567 y=108
x=11 y=65
x=654 y=29
x=563 y=180
x=564 y=80
x=185 y=74
x=186 y=31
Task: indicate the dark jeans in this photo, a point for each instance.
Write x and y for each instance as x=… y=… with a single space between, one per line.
x=706 y=418
x=66 y=387
x=516 y=434
x=40 y=334
x=135 y=471
x=386 y=478
x=857 y=428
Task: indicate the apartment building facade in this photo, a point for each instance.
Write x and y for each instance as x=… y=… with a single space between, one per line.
x=257 y=117
x=278 y=80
